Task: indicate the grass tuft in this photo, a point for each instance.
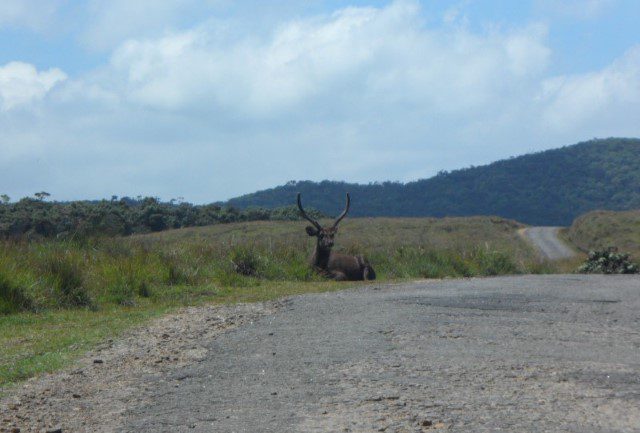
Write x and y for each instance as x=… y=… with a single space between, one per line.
x=12 y=296
x=125 y=280
x=63 y=270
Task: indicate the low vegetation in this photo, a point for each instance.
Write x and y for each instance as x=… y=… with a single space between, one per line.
x=37 y=218
x=600 y=230
x=608 y=261
x=611 y=240
x=58 y=297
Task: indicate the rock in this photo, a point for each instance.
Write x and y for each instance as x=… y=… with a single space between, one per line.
x=56 y=429
x=74 y=395
x=15 y=430
x=98 y=361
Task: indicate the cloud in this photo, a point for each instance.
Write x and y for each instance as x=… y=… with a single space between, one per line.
x=32 y=14
x=219 y=108
x=359 y=56
x=21 y=84
x=608 y=96
x=582 y=9
x=112 y=21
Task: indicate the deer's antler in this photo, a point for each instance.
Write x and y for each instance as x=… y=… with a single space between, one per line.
x=307 y=217
x=344 y=213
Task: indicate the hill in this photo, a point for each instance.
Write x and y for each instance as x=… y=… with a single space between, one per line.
x=545 y=188
x=603 y=229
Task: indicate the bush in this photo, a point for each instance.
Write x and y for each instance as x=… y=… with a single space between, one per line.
x=608 y=261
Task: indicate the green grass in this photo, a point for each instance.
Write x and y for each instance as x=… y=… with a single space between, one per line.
x=603 y=229
x=57 y=299
x=35 y=343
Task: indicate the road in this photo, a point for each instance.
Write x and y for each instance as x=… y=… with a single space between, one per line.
x=551 y=353
x=547 y=242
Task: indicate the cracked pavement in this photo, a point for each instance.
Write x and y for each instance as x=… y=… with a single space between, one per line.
x=530 y=353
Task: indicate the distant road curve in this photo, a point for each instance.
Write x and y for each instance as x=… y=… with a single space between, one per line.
x=547 y=242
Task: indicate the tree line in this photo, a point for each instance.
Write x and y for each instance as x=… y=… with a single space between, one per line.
x=546 y=188
x=33 y=217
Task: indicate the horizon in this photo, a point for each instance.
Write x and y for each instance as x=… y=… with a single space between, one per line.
x=213 y=100
x=50 y=198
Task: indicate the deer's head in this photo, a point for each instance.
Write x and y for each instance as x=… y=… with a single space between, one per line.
x=325 y=235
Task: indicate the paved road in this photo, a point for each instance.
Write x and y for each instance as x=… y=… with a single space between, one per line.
x=523 y=354
x=546 y=241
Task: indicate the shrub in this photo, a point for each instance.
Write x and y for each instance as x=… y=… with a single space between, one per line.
x=608 y=261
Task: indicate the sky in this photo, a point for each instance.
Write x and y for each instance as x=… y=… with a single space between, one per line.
x=210 y=99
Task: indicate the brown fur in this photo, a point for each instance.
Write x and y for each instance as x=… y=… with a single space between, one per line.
x=335 y=265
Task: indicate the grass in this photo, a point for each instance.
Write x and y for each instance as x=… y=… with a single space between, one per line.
x=603 y=229
x=57 y=299
x=35 y=343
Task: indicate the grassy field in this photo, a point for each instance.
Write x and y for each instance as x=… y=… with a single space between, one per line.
x=57 y=299
x=603 y=229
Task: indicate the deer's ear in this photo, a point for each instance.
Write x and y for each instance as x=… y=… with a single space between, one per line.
x=311 y=231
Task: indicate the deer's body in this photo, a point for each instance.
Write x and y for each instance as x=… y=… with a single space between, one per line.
x=335 y=265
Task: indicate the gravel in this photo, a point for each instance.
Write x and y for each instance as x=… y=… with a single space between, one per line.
x=527 y=353
x=547 y=242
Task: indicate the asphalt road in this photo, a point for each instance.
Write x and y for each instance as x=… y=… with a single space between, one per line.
x=546 y=241
x=557 y=353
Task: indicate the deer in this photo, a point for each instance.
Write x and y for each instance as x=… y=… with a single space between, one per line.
x=341 y=267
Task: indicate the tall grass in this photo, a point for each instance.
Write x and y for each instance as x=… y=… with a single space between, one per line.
x=13 y=297
x=58 y=298
x=125 y=271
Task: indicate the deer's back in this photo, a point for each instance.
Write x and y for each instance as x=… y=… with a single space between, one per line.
x=352 y=266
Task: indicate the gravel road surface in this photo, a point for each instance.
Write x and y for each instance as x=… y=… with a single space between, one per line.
x=556 y=353
x=547 y=242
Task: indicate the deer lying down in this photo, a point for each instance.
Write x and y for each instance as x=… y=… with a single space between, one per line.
x=335 y=265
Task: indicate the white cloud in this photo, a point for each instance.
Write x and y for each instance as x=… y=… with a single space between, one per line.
x=21 y=84
x=32 y=14
x=582 y=101
x=582 y=9
x=361 y=94
x=366 y=55
x=112 y=21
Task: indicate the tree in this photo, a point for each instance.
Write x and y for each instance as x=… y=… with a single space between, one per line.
x=5 y=198
x=42 y=195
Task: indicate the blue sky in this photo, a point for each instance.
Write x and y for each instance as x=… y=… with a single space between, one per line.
x=210 y=99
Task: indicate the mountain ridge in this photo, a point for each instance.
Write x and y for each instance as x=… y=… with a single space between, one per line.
x=550 y=187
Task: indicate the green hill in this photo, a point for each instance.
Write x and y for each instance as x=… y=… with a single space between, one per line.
x=603 y=229
x=545 y=188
